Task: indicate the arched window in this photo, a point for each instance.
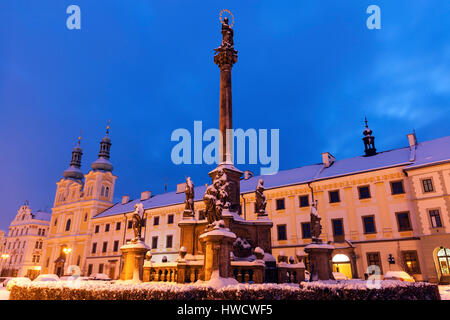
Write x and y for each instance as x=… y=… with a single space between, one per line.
x=444 y=261
x=107 y=192
x=85 y=217
x=68 y=224
x=103 y=191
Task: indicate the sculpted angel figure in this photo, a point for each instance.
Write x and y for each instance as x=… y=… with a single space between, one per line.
x=138 y=220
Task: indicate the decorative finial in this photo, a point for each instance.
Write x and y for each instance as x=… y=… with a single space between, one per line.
x=107 y=127
x=365 y=120
x=79 y=138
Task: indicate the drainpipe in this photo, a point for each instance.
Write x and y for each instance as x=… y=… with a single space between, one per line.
x=123 y=241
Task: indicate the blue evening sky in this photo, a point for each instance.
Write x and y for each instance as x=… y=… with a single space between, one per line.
x=310 y=68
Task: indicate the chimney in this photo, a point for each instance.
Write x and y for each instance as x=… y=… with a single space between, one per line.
x=412 y=139
x=327 y=159
x=125 y=199
x=181 y=187
x=146 y=195
x=247 y=174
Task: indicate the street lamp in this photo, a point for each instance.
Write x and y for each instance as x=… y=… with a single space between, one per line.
x=66 y=251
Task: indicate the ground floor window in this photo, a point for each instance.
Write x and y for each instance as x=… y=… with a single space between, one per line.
x=411 y=262
x=373 y=258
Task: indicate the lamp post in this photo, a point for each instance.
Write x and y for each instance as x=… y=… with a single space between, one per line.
x=66 y=251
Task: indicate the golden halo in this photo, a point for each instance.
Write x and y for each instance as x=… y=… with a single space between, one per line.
x=229 y=12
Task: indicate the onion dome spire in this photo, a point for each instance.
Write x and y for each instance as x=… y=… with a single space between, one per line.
x=369 y=141
x=103 y=163
x=74 y=171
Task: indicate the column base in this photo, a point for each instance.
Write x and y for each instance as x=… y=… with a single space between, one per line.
x=133 y=260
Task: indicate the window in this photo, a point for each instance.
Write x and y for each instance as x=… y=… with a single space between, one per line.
x=334 y=196
x=154 y=242
x=43 y=232
x=36 y=245
x=170 y=219
x=103 y=191
x=116 y=245
x=107 y=227
x=338 y=230
x=304 y=201
x=85 y=217
x=40 y=245
x=89 y=269
x=105 y=247
x=369 y=224
x=130 y=224
x=68 y=225
x=107 y=192
x=435 y=218
x=156 y=221
x=373 y=259
x=169 y=240
x=364 y=192
x=282 y=232
x=56 y=222
x=397 y=187
x=47 y=262
x=78 y=260
x=411 y=262
x=118 y=226
x=97 y=228
x=100 y=268
x=427 y=185
x=403 y=221
x=94 y=247
x=280 y=204
x=306 y=230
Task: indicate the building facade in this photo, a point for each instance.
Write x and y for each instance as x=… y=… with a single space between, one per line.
x=23 y=246
x=382 y=211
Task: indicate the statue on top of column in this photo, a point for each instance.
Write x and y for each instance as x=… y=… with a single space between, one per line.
x=316 y=227
x=138 y=219
x=227 y=36
x=260 y=198
x=189 y=192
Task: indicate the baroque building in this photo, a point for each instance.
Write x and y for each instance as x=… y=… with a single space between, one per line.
x=23 y=246
x=385 y=209
x=78 y=199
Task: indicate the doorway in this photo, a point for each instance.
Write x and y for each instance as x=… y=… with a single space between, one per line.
x=443 y=261
x=341 y=263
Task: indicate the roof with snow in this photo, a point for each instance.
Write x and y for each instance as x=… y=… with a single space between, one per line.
x=41 y=215
x=425 y=153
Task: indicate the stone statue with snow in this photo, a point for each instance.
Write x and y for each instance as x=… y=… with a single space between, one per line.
x=260 y=199
x=138 y=220
x=189 y=200
x=316 y=227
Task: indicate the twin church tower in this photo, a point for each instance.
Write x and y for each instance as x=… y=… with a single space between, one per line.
x=78 y=198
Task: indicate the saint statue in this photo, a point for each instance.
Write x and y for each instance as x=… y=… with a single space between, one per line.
x=316 y=227
x=227 y=37
x=138 y=221
x=216 y=197
x=260 y=198
x=189 y=192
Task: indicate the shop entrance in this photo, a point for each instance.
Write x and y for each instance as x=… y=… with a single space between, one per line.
x=341 y=263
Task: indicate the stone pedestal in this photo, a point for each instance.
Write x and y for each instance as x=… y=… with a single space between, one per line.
x=133 y=260
x=320 y=261
x=218 y=246
x=188 y=214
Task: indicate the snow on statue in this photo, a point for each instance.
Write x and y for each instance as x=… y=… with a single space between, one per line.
x=138 y=221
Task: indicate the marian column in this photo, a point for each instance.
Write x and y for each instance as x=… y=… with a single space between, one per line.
x=225 y=57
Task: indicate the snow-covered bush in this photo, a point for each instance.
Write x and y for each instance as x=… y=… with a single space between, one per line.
x=320 y=290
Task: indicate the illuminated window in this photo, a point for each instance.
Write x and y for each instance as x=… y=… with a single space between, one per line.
x=411 y=262
x=373 y=259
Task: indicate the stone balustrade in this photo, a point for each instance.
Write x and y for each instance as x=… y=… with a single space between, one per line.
x=291 y=273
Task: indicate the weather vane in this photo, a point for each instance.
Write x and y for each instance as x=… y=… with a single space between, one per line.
x=79 y=138
x=107 y=126
x=229 y=14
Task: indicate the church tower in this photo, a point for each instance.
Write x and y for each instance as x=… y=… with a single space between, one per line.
x=78 y=198
x=369 y=141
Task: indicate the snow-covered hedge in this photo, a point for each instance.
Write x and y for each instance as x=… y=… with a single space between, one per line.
x=324 y=290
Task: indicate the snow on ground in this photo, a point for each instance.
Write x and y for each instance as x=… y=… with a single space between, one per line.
x=4 y=294
x=445 y=292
